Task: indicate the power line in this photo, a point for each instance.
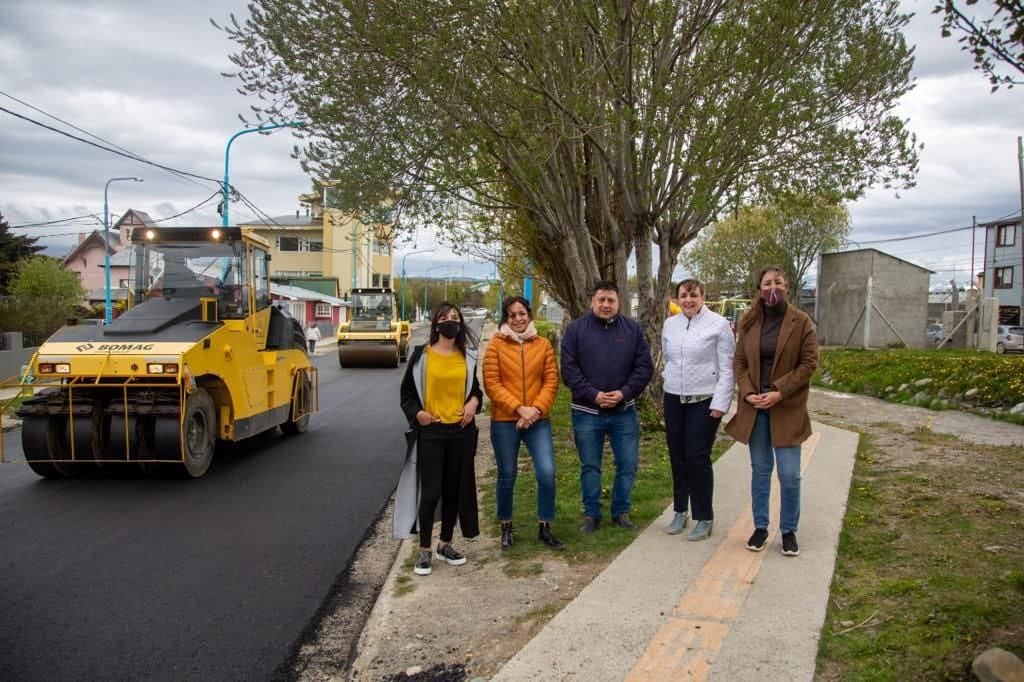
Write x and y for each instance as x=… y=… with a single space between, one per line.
x=933 y=234
x=175 y=174
x=108 y=149
x=57 y=222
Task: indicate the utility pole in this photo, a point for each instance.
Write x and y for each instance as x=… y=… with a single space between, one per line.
x=1020 y=234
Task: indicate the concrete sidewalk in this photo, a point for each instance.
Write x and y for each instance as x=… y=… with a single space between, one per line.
x=669 y=609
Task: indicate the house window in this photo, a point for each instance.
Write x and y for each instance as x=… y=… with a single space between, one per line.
x=287 y=243
x=1004 y=278
x=381 y=248
x=316 y=245
x=323 y=310
x=383 y=281
x=1006 y=235
x=122 y=284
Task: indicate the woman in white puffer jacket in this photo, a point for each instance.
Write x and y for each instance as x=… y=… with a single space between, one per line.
x=698 y=347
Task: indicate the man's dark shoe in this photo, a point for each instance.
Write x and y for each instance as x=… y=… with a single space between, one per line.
x=758 y=540
x=789 y=546
x=622 y=521
x=506 y=535
x=590 y=524
x=450 y=555
x=545 y=535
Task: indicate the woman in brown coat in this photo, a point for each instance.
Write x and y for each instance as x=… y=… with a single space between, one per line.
x=521 y=379
x=776 y=354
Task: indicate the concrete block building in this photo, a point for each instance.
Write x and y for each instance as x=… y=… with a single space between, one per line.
x=869 y=299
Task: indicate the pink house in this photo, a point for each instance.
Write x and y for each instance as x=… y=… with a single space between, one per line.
x=87 y=258
x=307 y=306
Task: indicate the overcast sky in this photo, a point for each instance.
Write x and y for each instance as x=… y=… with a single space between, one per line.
x=145 y=76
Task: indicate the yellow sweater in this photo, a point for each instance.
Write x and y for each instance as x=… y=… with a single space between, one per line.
x=445 y=386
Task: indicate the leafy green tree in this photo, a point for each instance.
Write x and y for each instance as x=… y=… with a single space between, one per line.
x=14 y=249
x=994 y=41
x=597 y=129
x=725 y=255
x=790 y=233
x=45 y=296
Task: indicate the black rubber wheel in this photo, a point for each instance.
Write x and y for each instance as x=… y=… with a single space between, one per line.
x=86 y=437
x=341 y=361
x=301 y=404
x=35 y=444
x=122 y=439
x=199 y=433
x=398 y=357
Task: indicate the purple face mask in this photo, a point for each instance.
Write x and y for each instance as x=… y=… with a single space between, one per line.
x=772 y=297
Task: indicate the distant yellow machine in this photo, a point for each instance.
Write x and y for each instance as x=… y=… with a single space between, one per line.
x=199 y=356
x=374 y=336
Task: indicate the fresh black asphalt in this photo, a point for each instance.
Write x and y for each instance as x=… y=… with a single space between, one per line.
x=213 y=579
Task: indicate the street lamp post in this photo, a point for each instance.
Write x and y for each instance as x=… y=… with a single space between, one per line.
x=405 y=280
x=426 y=284
x=227 y=154
x=106 y=241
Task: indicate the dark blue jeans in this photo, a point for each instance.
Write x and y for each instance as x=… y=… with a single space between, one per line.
x=505 y=439
x=622 y=429
x=690 y=433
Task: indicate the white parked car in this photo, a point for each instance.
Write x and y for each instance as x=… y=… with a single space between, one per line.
x=1009 y=339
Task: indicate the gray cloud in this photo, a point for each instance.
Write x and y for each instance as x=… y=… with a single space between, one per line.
x=146 y=75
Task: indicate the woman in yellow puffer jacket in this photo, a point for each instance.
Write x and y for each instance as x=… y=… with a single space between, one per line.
x=521 y=379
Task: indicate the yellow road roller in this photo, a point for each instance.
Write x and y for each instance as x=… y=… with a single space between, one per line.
x=200 y=355
x=373 y=336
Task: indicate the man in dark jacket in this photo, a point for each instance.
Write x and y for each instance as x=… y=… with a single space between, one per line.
x=606 y=363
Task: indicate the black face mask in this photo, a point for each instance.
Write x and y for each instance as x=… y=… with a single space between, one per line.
x=449 y=329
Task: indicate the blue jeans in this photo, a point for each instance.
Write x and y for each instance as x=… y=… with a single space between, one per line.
x=505 y=439
x=761 y=461
x=622 y=429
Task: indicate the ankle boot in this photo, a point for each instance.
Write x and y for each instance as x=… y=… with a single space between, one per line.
x=506 y=535
x=545 y=535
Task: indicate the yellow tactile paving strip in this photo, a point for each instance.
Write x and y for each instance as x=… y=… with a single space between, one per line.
x=685 y=646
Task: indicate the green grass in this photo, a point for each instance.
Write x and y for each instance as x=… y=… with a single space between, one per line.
x=928 y=570
x=10 y=409
x=652 y=492
x=999 y=379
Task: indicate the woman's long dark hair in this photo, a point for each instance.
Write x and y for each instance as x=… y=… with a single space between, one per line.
x=465 y=339
x=511 y=301
x=755 y=313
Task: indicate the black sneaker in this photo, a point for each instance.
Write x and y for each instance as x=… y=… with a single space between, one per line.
x=422 y=566
x=450 y=554
x=545 y=535
x=622 y=521
x=759 y=540
x=507 y=536
x=590 y=524
x=789 y=546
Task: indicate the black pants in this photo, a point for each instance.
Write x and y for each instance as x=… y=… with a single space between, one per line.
x=439 y=453
x=312 y=345
x=690 y=432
